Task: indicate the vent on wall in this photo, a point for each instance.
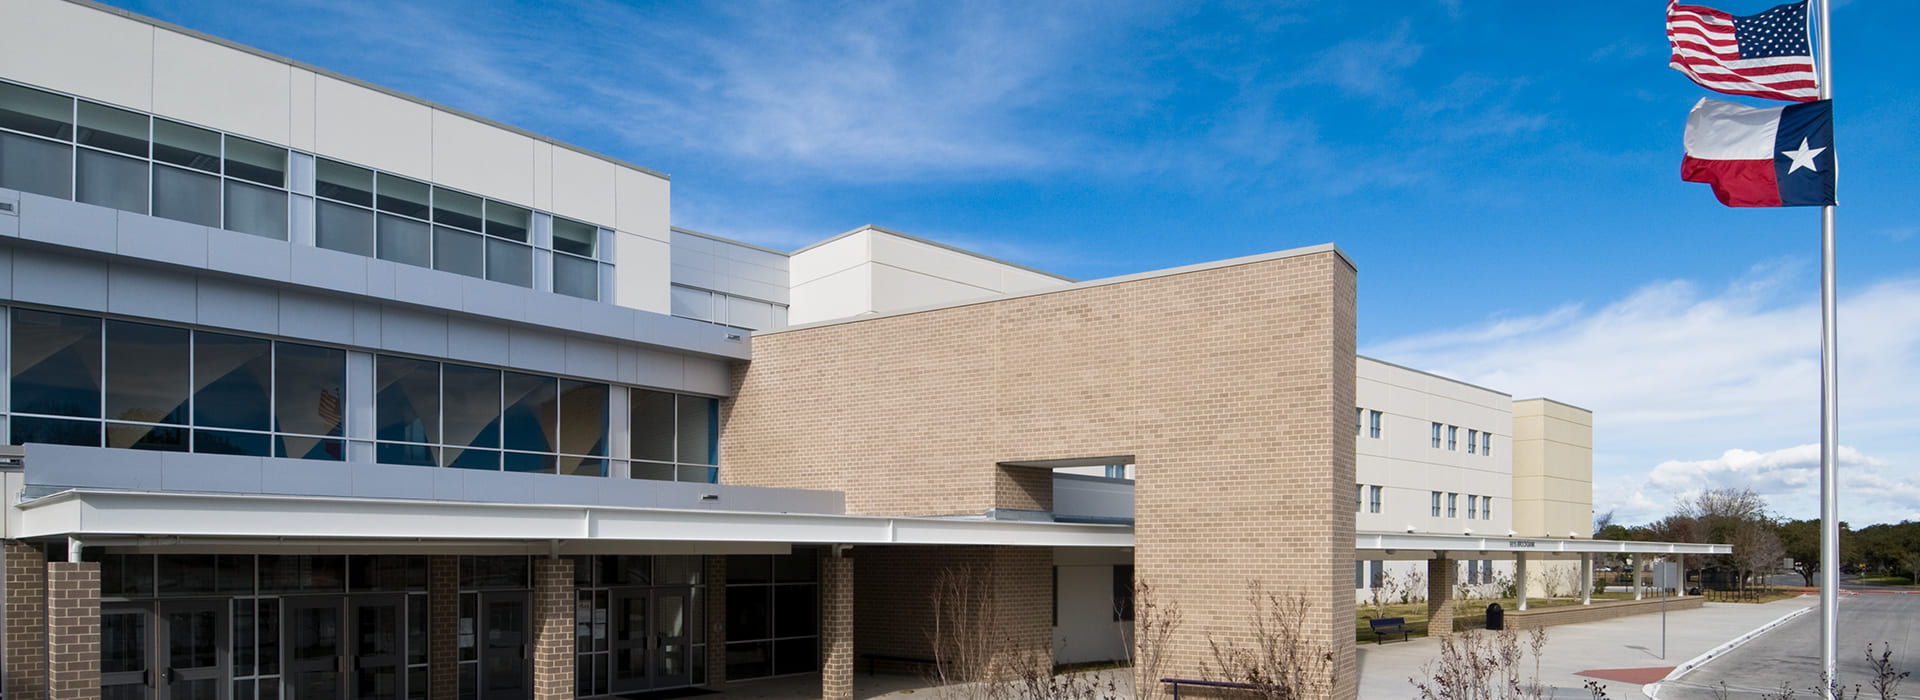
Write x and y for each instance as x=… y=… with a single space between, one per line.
x=6 y=207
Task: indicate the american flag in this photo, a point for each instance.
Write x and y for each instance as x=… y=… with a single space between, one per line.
x=1765 y=55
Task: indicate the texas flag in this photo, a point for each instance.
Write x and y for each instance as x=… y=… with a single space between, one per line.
x=1754 y=157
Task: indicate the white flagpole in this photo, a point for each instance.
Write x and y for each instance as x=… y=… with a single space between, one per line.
x=1829 y=413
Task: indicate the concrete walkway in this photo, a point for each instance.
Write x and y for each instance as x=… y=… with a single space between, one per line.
x=1622 y=653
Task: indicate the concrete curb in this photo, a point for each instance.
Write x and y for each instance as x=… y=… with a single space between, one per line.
x=1651 y=690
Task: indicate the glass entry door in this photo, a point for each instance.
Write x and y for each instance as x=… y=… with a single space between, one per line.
x=194 y=634
x=313 y=629
x=651 y=638
x=505 y=664
x=378 y=652
x=126 y=652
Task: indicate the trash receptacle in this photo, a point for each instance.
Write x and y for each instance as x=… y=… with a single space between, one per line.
x=1496 y=617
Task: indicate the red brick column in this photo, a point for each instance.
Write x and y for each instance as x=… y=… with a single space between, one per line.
x=1442 y=573
x=26 y=626
x=716 y=579
x=836 y=626
x=553 y=637
x=73 y=624
x=443 y=627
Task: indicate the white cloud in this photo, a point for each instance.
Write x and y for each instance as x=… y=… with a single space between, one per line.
x=1676 y=376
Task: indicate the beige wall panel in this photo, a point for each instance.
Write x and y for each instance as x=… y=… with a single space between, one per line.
x=1569 y=433
x=1528 y=428
x=643 y=266
x=80 y=50
x=1565 y=460
x=302 y=108
x=207 y=83
x=834 y=257
x=644 y=203
x=1569 y=490
x=583 y=187
x=1529 y=488
x=543 y=175
x=482 y=159
x=372 y=128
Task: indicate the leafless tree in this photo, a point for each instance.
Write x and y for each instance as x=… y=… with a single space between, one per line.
x=1282 y=663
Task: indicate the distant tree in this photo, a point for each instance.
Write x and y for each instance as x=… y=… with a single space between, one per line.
x=1601 y=523
x=1800 y=540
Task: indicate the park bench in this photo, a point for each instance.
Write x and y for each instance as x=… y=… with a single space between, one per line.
x=904 y=660
x=1390 y=625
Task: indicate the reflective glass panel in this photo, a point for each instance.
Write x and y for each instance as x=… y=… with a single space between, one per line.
x=222 y=442
x=405 y=241
x=401 y=195
x=113 y=129
x=36 y=112
x=398 y=453
x=256 y=210
x=651 y=471
x=343 y=228
x=234 y=379
x=123 y=641
x=56 y=364
x=55 y=431
x=699 y=430
x=347 y=183
x=794 y=610
x=583 y=417
x=147 y=372
x=407 y=400
x=259 y=162
x=458 y=252
x=574 y=237
x=691 y=303
x=308 y=397
x=488 y=460
x=508 y=221
x=531 y=412
x=576 y=277
x=796 y=656
x=111 y=181
x=749 y=611
x=472 y=406
x=147 y=437
x=185 y=195
x=582 y=466
x=190 y=146
x=32 y=165
x=652 y=419
x=527 y=463
x=298 y=447
x=456 y=209
x=511 y=263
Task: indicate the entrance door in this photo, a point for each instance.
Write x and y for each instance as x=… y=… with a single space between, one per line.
x=670 y=650
x=193 y=635
x=313 y=629
x=505 y=666
x=126 y=653
x=632 y=641
x=377 y=658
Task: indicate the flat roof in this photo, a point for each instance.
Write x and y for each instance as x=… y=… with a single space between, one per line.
x=1409 y=545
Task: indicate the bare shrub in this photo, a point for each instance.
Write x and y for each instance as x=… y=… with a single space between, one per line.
x=1282 y=664
x=1481 y=666
x=1885 y=681
x=1154 y=624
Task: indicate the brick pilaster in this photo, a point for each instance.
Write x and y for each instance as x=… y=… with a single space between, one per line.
x=1442 y=573
x=73 y=624
x=716 y=620
x=553 y=636
x=443 y=627
x=26 y=621
x=836 y=626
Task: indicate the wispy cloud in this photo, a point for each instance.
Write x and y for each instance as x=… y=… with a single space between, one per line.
x=1675 y=374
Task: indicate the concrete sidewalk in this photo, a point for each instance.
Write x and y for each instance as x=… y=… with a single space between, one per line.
x=1624 y=653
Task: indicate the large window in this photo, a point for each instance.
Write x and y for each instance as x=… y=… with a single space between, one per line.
x=79 y=380
x=431 y=413
x=1373 y=498
x=1436 y=436
x=773 y=614
x=676 y=437
x=1473 y=441
x=1373 y=424
x=58 y=146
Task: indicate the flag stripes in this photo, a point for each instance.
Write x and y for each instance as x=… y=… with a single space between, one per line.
x=1706 y=47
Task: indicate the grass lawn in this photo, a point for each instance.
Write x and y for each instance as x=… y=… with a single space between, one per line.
x=1888 y=580
x=1467 y=614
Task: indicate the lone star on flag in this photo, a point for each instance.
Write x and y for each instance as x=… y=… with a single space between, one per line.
x=1803 y=157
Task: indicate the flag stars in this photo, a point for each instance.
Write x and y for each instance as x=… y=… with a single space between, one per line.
x=1802 y=157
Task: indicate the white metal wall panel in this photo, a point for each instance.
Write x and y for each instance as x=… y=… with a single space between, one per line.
x=79 y=50
x=224 y=88
x=372 y=128
x=482 y=159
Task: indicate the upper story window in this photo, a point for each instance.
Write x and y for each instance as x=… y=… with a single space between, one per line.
x=1436 y=504
x=1359 y=496
x=1373 y=424
x=1453 y=434
x=676 y=437
x=1436 y=436
x=1453 y=502
x=1359 y=420
x=429 y=413
x=1373 y=499
x=60 y=146
x=1473 y=507
x=1486 y=508
x=1486 y=444
x=1473 y=441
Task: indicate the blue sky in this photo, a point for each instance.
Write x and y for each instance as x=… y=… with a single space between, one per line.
x=1505 y=174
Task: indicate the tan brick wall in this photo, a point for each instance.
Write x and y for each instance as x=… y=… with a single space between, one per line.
x=1232 y=386
x=443 y=620
x=895 y=587
x=553 y=636
x=26 y=625
x=1442 y=574
x=836 y=626
x=73 y=630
